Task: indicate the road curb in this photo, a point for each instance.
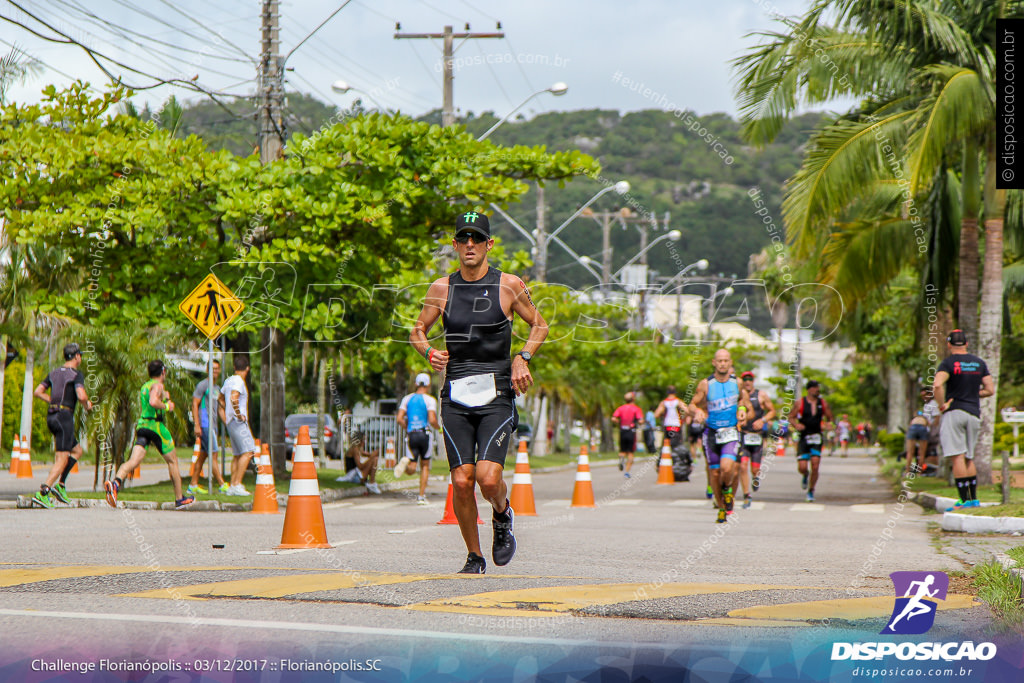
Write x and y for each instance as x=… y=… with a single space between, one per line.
x=940 y=503
x=972 y=524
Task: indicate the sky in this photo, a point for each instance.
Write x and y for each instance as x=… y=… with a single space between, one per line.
x=677 y=49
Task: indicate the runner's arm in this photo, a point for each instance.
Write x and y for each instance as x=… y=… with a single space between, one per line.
x=83 y=397
x=156 y=397
x=196 y=421
x=769 y=409
x=939 y=389
x=40 y=392
x=432 y=419
x=235 y=395
x=659 y=411
x=400 y=418
x=793 y=421
x=988 y=387
x=433 y=305
x=522 y=303
x=699 y=397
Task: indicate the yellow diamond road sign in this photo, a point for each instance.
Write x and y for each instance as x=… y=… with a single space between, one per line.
x=211 y=306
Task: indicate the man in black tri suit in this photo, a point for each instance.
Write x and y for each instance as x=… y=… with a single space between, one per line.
x=67 y=387
x=807 y=416
x=752 y=435
x=478 y=413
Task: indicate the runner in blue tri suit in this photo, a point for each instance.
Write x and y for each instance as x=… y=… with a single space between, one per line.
x=721 y=403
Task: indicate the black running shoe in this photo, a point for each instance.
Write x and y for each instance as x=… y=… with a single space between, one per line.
x=756 y=483
x=622 y=463
x=474 y=565
x=504 y=545
x=803 y=482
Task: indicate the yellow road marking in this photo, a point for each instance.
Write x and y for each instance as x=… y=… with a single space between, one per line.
x=281 y=586
x=568 y=598
x=850 y=609
x=15 y=577
x=764 y=623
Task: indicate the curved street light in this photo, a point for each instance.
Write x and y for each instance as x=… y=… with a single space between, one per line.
x=341 y=87
x=558 y=89
x=673 y=235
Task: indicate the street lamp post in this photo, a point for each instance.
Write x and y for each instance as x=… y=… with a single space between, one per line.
x=711 y=302
x=342 y=87
x=558 y=89
x=699 y=265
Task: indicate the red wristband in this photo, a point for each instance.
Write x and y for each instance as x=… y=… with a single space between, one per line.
x=430 y=356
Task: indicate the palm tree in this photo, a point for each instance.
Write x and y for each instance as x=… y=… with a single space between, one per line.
x=925 y=71
x=16 y=66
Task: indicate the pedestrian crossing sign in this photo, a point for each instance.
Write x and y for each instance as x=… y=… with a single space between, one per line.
x=211 y=306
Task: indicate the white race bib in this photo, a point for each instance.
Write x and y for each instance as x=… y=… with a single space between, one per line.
x=474 y=391
x=751 y=439
x=726 y=435
x=813 y=439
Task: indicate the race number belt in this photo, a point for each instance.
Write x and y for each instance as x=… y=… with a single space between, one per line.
x=751 y=439
x=474 y=391
x=726 y=435
x=812 y=439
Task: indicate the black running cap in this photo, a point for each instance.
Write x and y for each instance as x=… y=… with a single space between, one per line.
x=71 y=350
x=957 y=338
x=475 y=221
x=812 y=383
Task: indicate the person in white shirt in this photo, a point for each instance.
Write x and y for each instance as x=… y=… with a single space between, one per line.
x=416 y=415
x=234 y=401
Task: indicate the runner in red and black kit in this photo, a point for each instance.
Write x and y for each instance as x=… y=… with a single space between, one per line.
x=478 y=412
x=807 y=416
x=628 y=417
x=67 y=387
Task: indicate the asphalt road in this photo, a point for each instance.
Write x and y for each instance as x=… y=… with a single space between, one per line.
x=647 y=570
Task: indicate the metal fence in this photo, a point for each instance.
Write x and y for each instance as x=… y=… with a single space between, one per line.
x=376 y=430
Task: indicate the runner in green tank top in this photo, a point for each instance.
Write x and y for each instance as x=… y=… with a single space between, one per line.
x=151 y=430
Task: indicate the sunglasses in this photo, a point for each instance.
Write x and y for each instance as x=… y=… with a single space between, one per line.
x=464 y=237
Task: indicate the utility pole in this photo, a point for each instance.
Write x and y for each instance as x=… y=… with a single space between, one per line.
x=271 y=140
x=448 y=109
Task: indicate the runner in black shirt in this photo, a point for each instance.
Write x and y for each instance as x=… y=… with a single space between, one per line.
x=478 y=413
x=807 y=416
x=67 y=387
x=964 y=380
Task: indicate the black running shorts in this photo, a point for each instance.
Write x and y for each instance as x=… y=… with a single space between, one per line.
x=481 y=433
x=419 y=444
x=147 y=437
x=62 y=425
x=627 y=440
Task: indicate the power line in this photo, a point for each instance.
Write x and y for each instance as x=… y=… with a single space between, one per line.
x=208 y=29
x=497 y=81
x=319 y=26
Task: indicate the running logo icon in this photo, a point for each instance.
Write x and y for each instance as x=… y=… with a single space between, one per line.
x=916 y=596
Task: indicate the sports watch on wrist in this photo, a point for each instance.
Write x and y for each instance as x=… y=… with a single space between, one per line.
x=526 y=355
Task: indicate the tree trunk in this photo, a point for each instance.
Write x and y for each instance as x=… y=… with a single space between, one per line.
x=990 y=329
x=3 y=363
x=968 y=288
x=26 y=396
x=272 y=396
x=896 y=380
x=321 y=421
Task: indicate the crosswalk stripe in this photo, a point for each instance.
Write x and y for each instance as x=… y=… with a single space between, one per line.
x=806 y=507
x=626 y=501
x=691 y=503
x=871 y=508
x=383 y=505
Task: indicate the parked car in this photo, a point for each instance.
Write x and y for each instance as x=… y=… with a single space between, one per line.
x=332 y=434
x=525 y=431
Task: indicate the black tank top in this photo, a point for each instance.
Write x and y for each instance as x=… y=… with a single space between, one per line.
x=61 y=383
x=812 y=423
x=755 y=403
x=477 y=333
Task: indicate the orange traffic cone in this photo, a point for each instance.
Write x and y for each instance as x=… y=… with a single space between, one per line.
x=449 y=507
x=780 y=447
x=389 y=454
x=583 y=492
x=195 y=458
x=665 y=475
x=304 y=525
x=264 y=499
x=25 y=466
x=15 y=455
x=521 y=497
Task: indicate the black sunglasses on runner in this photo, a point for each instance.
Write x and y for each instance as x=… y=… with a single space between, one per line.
x=464 y=237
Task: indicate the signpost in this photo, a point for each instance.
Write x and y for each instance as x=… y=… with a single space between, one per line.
x=211 y=307
x=1014 y=418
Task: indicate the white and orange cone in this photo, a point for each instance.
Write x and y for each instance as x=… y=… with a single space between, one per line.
x=583 y=491
x=521 y=497
x=780 y=447
x=304 y=525
x=195 y=458
x=15 y=455
x=449 y=507
x=264 y=498
x=389 y=454
x=25 y=466
x=665 y=475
